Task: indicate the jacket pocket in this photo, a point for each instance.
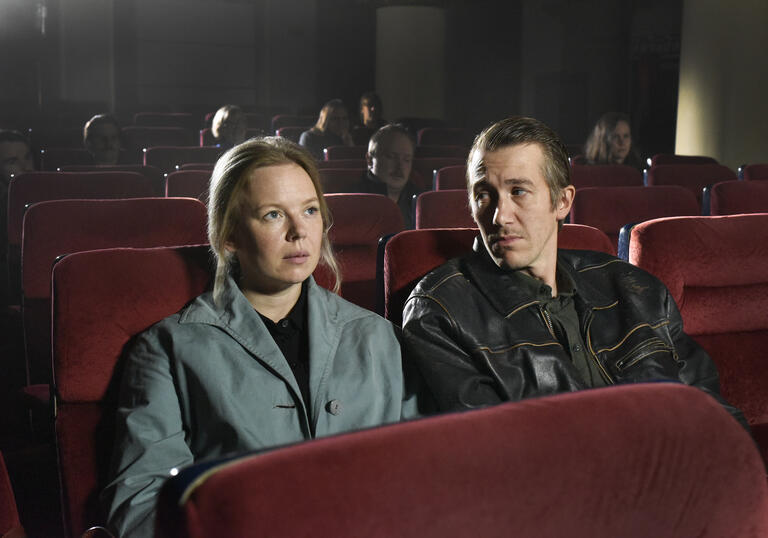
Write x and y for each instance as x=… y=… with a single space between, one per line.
x=643 y=350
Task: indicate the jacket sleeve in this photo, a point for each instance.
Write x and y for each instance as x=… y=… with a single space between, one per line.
x=696 y=367
x=150 y=438
x=432 y=344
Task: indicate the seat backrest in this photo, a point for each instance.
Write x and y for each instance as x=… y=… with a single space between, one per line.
x=56 y=228
x=53 y=158
x=291 y=120
x=411 y=254
x=443 y=209
x=715 y=269
x=336 y=180
x=345 y=152
x=451 y=177
x=670 y=158
x=139 y=136
x=186 y=120
x=496 y=472
x=151 y=172
x=752 y=172
x=434 y=152
x=443 y=136
x=610 y=208
x=694 y=177
x=10 y=525
x=290 y=132
x=188 y=183
x=359 y=220
x=56 y=137
x=605 y=175
x=732 y=197
x=167 y=158
x=357 y=164
x=100 y=300
x=423 y=170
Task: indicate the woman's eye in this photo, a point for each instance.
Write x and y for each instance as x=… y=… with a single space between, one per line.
x=312 y=210
x=272 y=215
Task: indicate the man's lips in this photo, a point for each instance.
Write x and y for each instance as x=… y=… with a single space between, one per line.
x=504 y=240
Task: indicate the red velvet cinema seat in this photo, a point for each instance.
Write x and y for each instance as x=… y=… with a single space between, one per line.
x=537 y=468
x=290 y=132
x=733 y=197
x=671 y=158
x=423 y=171
x=335 y=180
x=691 y=176
x=605 y=175
x=186 y=120
x=100 y=300
x=411 y=254
x=752 y=172
x=10 y=525
x=151 y=172
x=716 y=269
x=26 y=189
x=188 y=183
x=610 y=208
x=359 y=220
x=443 y=136
x=332 y=153
x=53 y=158
x=451 y=177
x=168 y=158
x=60 y=227
x=441 y=152
x=443 y=209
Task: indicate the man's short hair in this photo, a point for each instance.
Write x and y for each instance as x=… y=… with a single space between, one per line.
x=523 y=130
x=99 y=119
x=10 y=135
x=385 y=133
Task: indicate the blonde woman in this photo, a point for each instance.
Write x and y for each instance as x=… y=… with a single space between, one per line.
x=331 y=129
x=267 y=357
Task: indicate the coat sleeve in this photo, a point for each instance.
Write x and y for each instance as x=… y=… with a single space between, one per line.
x=696 y=367
x=150 y=438
x=432 y=345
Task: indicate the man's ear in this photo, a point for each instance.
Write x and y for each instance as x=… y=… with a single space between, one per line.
x=565 y=201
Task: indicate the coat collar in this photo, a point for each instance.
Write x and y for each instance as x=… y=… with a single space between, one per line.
x=509 y=291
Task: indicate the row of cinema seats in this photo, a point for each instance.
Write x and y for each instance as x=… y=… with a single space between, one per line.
x=715 y=269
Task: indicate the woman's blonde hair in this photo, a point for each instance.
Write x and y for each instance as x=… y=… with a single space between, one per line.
x=226 y=193
x=322 y=118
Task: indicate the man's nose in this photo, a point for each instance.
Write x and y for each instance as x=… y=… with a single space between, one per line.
x=504 y=212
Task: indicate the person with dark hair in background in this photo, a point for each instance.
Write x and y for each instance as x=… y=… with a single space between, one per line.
x=610 y=142
x=228 y=126
x=371 y=112
x=519 y=318
x=331 y=129
x=267 y=357
x=101 y=137
x=389 y=160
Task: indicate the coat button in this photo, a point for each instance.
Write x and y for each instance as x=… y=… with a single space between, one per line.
x=333 y=407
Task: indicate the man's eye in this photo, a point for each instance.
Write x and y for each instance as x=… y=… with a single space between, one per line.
x=482 y=197
x=517 y=191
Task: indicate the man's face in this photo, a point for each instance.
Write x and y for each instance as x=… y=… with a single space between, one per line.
x=512 y=207
x=367 y=111
x=104 y=143
x=392 y=160
x=15 y=158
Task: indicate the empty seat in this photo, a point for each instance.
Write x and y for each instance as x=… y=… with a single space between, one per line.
x=150 y=172
x=332 y=153
x=443 y=209
x=423 y=170
x=429 y=152
x=206 y=136
x=411 y=254
x=443 y=136
x=292 y=120
x=167 y=119
x=359 y=221
x=752 y=172
x=669 y=158
x=340 y=179
x=715 y=269
x=291 y=133
x=197 y=166
x=57 y=137
x=56 y=228
x=10 y=525
x=497 y=472
x=101 y=299
x=416 y=124
x=53 y=158
x=138 y=137
x=605 y=175
x=167 y=158
x=691 y=176
x=451 y=177
x=610 y=208
x=732 y=197
x=358 y=164
x=188 y=183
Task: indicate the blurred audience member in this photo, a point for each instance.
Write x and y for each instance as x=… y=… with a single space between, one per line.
x=331 y=129
x=371 y=119
x=611 y=142
x=228 y=126
x=389 y=160
x=101 y=136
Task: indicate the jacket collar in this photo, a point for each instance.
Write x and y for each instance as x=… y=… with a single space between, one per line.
x=508 y=291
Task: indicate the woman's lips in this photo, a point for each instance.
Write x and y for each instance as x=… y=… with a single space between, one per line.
x=297 y=257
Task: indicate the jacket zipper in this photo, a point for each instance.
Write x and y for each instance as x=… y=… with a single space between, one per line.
x=547 y=321
x=653 y=346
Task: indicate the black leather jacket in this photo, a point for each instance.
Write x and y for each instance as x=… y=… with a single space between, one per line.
x=479 y=338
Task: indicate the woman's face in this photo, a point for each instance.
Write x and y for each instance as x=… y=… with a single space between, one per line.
x=278 y=236
x=620 y=141
x=337 y=121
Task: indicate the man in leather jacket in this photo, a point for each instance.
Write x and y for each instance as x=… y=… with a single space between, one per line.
x=519 y=318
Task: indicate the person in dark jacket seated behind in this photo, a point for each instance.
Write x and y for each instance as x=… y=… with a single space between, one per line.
x=331 y=129
x=389 y=160
x=519 y=318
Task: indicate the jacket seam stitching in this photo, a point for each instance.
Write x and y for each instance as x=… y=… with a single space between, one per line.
x=637 y=327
